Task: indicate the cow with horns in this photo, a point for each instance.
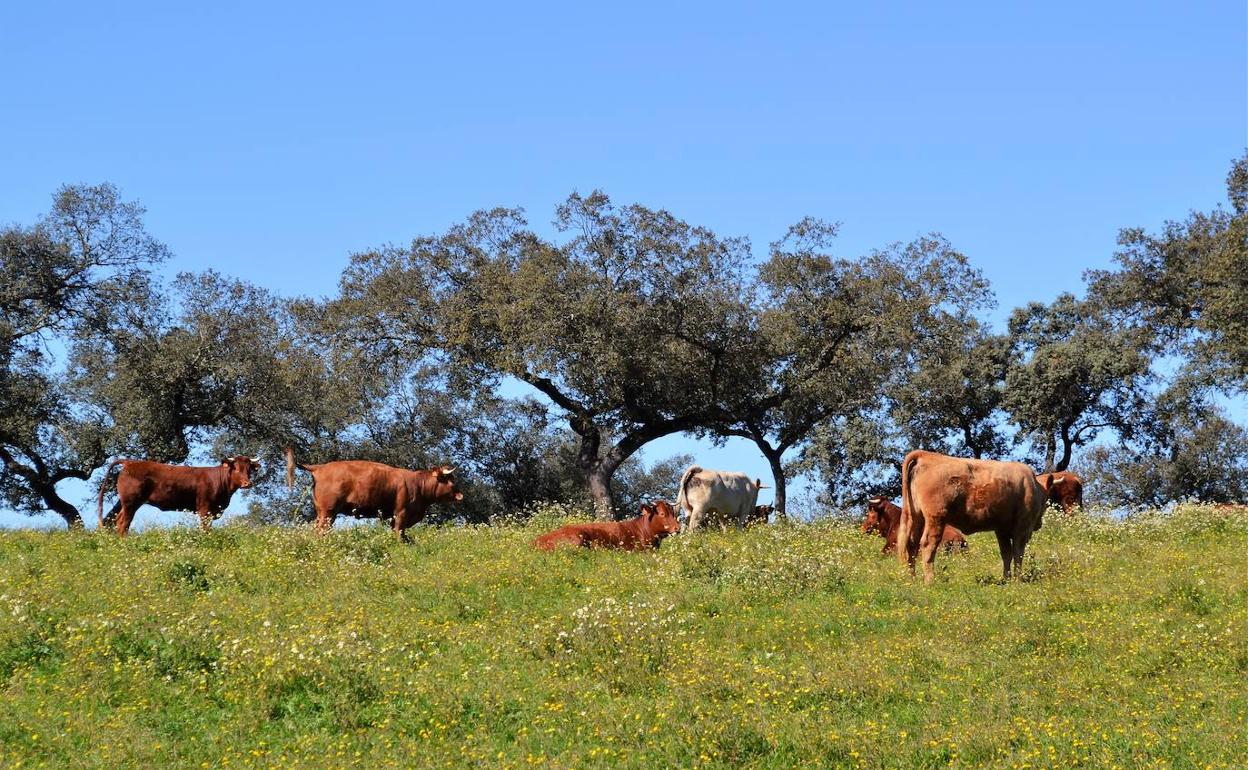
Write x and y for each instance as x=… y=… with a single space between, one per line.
x=205 y=491
x=367 y=489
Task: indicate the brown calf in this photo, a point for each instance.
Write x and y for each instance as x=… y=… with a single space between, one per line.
x=657 y=521
x=883 y=517
x=760 y=515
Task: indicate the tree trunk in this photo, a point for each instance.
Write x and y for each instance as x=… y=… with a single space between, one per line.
x=599 y=479
x=42 y=482
x=777 y=477
x=73 y=519
x=968 y=436
x=1050 y=452
x=773 y=455
x=1068 y=447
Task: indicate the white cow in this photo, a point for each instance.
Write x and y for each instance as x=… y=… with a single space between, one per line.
x=717 y=496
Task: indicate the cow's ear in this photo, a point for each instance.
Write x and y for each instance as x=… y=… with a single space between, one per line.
x=227 y=461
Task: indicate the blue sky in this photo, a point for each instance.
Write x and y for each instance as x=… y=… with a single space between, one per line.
x=270 y=140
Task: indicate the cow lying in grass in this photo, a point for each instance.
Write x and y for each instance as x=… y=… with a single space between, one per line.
x=883 y=517
x=657 y=521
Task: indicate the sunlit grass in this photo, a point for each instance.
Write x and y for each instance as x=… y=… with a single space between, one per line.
x=1126 y=645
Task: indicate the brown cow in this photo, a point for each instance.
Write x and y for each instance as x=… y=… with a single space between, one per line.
x=657 y=521
x=367 y=489
x=883 y=517
x=1068 y=495
x=973 y=495
x=204 y=491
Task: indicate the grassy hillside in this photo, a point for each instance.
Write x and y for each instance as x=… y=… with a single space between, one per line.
x=1125 y=646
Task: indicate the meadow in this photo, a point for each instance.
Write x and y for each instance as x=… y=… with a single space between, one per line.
x=1125 y=645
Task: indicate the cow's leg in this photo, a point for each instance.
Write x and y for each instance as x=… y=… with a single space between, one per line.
x=913 y=539
x=1020 y=544
x=929 y=545
x=400 y=526
x=125 y=515
x=326 y=509
x=404 y=517
x=324 y=516
x=204 y=512
x=1007 y=552
x=696 y=515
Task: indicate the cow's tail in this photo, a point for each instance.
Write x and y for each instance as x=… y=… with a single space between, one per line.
x=682 y=499
x=907 y=508
x=99 y=501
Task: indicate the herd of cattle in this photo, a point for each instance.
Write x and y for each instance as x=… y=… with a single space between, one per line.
x=943 y=499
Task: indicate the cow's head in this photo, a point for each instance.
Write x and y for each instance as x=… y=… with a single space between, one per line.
x=660 y=517
x=240 y=469
x=761 y=514
x=875 y=520
x=444 y=488
x=1050 y=483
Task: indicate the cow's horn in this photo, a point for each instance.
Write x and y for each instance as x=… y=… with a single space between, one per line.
x=255 y=459
x=447 y=471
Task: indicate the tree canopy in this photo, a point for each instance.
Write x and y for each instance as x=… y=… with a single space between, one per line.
x=623 y=324
x=1188 y=285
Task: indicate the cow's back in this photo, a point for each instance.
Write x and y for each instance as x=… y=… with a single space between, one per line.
x=169 y=487
x=359 y=483
x=722 y=491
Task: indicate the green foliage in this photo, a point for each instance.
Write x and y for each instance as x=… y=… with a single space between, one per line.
x=1188 y=452
x=629 y=327
x=78 y=276
x=1073 y=373
x=782 y=646
x=950 y=401
x=1188 y=284
x=836 y=338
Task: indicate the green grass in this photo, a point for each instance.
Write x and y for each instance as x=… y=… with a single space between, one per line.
x=1126 y=645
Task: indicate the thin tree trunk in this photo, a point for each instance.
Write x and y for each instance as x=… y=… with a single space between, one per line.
x=777 y=477
x=1068 y=447
x=968 y=436
x=773 y=455
x=1050 y=452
